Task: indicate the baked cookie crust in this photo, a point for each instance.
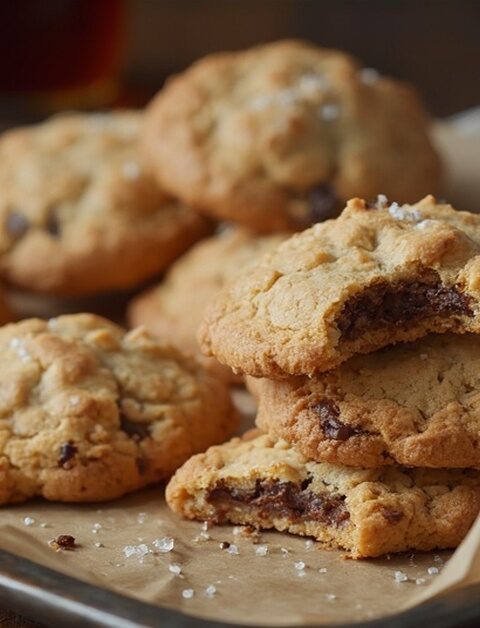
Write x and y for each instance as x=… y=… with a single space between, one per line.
x=79 y=211
x=281 y=135
x=415 y=404
x=377 y=275
x=89 y=412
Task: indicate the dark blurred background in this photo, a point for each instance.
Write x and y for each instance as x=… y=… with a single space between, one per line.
x=99 y=53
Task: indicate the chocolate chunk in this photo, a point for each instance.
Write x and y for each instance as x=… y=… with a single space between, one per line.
x=224 y=545
x=392 y=516
x=137 y=431
x=65 y=542
x=323 y=203
x=397 y=305
x=67 y=452
x=16 y=224
x=285 y=499
x=332 y=427
x=52 y=224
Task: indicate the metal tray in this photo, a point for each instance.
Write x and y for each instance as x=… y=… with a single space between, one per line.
x=57 y=600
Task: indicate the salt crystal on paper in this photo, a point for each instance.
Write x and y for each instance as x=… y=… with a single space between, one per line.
x=233 y=550
x=322 y=570
x=164 y=545
x=28 y=521
x=432 y=571
x=309 y=544
x=175 y=568
x=188 y=593
x=399 y=576
x=299 y=565
x=330 y=597
x=210 y=590
x=262 y=550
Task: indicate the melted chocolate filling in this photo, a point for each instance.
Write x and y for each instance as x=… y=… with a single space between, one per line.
x=272 y=498
x=384 y=305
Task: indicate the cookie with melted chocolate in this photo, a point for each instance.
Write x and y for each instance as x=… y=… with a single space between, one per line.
x=262 y=482
x=375 y=276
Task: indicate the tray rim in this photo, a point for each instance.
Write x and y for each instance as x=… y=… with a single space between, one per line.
x=43 y=594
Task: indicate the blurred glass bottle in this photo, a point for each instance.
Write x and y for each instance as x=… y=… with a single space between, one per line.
x=57 y=54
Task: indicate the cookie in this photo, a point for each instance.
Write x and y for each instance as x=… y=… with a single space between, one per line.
x=415 y=404
x=174 y=309
x=367 y=512
x=375 y=276
x=79 y=211
x=281 y=135
x=89 y=412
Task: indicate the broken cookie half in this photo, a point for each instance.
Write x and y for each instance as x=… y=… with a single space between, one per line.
x=262 y=482
x=377 y=275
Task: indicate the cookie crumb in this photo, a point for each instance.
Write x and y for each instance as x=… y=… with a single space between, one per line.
x=63 y=542
x=164 y=545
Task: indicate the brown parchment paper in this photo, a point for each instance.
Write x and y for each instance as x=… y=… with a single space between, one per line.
x=252 y=588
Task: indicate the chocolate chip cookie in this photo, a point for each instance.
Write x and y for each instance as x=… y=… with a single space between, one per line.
x=377 y=275
x=368 y=512
x=281 y=135
x=174 y=309
x=89 y=412
x=79 y=211
x=416 y=404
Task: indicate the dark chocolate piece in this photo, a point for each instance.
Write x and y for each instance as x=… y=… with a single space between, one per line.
x=137 y=431
x=67 y=452
x=332 y=427
x=392 y=516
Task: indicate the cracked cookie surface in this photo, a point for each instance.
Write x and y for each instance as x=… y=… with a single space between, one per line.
x=174 y=309
x=415 y=404
x=263 y=482
x=375 y=276
x=89 y=412
x=79 y=211
x=281 y=135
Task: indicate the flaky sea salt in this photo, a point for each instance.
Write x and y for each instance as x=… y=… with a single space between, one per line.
x=309 y=544
x=284 y=551
x=210 y=590
x=424 y=224
x=310 y=84
x=99 y=545
x=261 y=550
x=96 y=528
x=301 y=573
x=369 y=75
x=175 y=568
x=382 y=201
x=420 y=581
x=330 y=597
x=188 y=593
x=233 y=550
x=164 y=545
x=138 y=551
x=329 y=111
x=438 y=559
x=203 y=536
x=432 y=571
x=28 y=521
x=399 y=576
x=322 y=570
x=299 y=565
x=400 y=213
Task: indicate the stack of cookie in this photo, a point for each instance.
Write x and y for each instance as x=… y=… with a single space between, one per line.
x=360 y=337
